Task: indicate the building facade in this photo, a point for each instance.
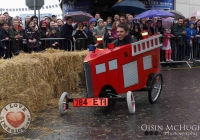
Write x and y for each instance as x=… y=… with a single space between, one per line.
x=186 y=7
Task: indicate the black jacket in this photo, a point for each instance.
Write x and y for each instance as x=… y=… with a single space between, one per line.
x=127 y=40
x=3 y=35
x=66 y=31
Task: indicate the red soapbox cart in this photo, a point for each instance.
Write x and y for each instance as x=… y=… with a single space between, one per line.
x=113 y=71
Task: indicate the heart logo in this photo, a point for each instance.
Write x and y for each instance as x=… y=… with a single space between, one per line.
x=15 y=119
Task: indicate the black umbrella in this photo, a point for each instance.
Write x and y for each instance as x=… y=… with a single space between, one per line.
x=177 y=14
x=129 y=6
x=79 y=16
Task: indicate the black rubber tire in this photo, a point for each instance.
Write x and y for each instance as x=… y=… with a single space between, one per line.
x=155 y=88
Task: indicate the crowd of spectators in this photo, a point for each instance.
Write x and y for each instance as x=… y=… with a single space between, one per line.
x=184 y=33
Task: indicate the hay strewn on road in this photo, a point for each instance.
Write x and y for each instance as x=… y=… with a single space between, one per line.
x=34 y=79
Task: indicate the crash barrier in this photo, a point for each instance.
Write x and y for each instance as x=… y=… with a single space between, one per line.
x=81 y=44
x=13 y=47
x=184 y=50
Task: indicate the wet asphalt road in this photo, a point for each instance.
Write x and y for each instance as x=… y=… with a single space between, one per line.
x=177 y=110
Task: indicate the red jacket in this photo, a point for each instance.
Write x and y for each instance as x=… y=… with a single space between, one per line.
x=166 y=38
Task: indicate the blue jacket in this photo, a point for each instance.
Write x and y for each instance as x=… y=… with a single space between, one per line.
x=190 y=32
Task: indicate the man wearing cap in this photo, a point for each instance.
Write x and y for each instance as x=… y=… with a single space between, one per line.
x=123 y=36
x=66 y=32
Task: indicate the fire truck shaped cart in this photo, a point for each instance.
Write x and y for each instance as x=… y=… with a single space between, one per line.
x=113 y=71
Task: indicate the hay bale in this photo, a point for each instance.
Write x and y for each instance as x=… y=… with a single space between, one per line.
x=34 y=79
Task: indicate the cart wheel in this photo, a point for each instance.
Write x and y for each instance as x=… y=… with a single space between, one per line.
x=156 y=87
x=130 y=102
x=63 y=103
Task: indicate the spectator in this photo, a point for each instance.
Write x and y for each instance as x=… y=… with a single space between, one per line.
x=190 y=35
x=130 y=20
x=123 y=36
x=35 y=20
x=66 y=32
x=186 y=23
x=48 y=20
x=198 y=37
x=16 y=35
x=53 y=43
x=8 y=18
x=193 y=19
x=1 y=21
x=127 y=14
x=32 y=36
x=105 y=24
x=108 y=38
x=57 y=28
x=114 y=29
x=93 y=23
x=167 y=45
x=54 y=18
x=44 y=32
x=99 y=30
x=27 y=19
x=150 y=29
x=143 y=22
x=122 y=19
x=97 y=16
x=52 y=24
x=109 y=21
x=116 y=17
x=179 y=31
x=159 y=29
x=137 y=32
x=60 y=23
x=5 y=45
x=91 y=35
x=79 y=33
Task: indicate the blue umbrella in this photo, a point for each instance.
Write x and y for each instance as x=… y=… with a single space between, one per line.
x=129 y=6
x=154 y=13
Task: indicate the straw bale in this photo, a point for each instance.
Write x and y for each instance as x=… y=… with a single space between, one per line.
x=34 y=79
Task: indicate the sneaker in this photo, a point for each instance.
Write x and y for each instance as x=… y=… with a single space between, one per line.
x=171 y=60
x=167 y=60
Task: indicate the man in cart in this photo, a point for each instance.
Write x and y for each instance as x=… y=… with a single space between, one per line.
x=123 y=36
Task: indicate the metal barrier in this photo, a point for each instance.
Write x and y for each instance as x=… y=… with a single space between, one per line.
x=184 y=50
x=81 y=44
x=58 y=43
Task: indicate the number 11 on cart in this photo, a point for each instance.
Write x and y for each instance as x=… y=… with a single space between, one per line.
x=88 y=102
